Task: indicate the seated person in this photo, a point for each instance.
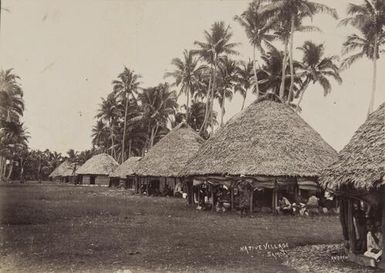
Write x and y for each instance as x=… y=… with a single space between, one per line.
x=374 y=242
x=312 y=205
x=284 y=205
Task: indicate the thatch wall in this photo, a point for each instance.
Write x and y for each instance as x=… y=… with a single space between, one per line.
x=266 y=139
x=170 y=154
x=126 y=168
x=101 y=164
x=361 y=162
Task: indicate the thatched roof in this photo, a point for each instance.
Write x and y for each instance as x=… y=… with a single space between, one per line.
x=64 y=169
x=266 y=139
x=361 y=162
x=126 y=168
x=101 y=164
x=171 y=153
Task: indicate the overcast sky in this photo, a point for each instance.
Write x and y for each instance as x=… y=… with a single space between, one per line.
x=68 y=52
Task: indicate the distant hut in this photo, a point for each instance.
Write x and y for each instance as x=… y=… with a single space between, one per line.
x=124 y=174
x=357 y=179
x=264 y=152
x=65 y=172
x=96 y=170
x=159 y=170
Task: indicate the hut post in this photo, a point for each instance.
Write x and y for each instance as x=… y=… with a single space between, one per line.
x=351 y=230
x=199 y=194
x=275 y=197
x=147 y=185
x=212 y=197
x=232 y=197
x=251 y=200
x=381 y=264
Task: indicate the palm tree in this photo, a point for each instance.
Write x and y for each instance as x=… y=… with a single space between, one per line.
x=11 y=96
x=245 y=74
x=315 y=68
x=227 y=79
x=126 y=87
x=158 y=104
x=258 y=29
x=109 y=112
x=369 y=19
x=186 y=75
x=217 y=43
x=289 y=15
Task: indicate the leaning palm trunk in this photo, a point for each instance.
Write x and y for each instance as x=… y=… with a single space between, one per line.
x=124 y=129
x=203 y=126
x=255 y=75
x=283 y=75
x=302 y=92
x=374 y=79
x=290 y=96
x=10 y=171
x=243 y=102
x=222 y=111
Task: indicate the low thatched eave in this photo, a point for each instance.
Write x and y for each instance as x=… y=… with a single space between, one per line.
x=101 y=164
x=266 y=139
x=126 y=168
x=361 y=162
x=168 y=157
x=64 y=169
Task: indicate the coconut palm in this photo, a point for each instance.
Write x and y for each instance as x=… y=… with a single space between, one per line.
x=126 y=87
x=186 y=75
x=369 y=19
x=258 y=29
x=289 y=16
x=245 y=74
x=315 y=68
x=109 y=112
x=11 y=96
x=227 y=79
x=158 y=104
x=216 y=45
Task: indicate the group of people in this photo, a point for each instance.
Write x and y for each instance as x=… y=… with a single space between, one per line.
x=305 y=206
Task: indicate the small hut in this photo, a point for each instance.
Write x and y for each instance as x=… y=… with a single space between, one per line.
x=124 y=174
x=65 y=172
x=159 y=170
x=264 y=152
x=96 y=170
x=357 y=179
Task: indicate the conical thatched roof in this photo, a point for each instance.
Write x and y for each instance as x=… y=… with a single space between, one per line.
x=126 y=168
x=101 y=164
x=171 y=153
x=267 y=138
x=64 y=169
x=361 y=162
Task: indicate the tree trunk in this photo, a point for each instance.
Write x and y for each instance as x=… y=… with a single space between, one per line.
x=222 y=111
x=283 y=74
x=213 y=89
x=10 y=170
x=129 y=147
x=301 y=95
x=374 y=80
x=124 y=129
x=207 y=108
x=113 y=154
x=255 y=75
x=243 y=102
x=290 y=96
x=187 y=104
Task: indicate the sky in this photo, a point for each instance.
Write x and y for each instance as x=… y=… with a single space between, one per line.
x=67 y=53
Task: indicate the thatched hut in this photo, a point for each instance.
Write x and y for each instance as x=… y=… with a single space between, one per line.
x=267 y=149
x=65 y=172
x=159 y=170
x=357 y=179
x=96 y=170
x=124 y=174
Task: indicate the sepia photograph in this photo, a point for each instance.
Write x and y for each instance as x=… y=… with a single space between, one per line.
x=192 y=136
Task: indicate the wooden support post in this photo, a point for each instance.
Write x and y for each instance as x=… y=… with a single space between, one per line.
x=232 y=197
x=190 y=192
x=212 y=197
x=199 y=194
x=352 y=235
x=275 y=197
x=251 y=200
x=381 y=264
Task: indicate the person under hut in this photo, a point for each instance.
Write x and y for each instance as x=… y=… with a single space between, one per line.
x=374 y=241
x=284 y=205
x=244 y=197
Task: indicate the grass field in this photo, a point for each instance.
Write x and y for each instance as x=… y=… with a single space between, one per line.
x=63 y=228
